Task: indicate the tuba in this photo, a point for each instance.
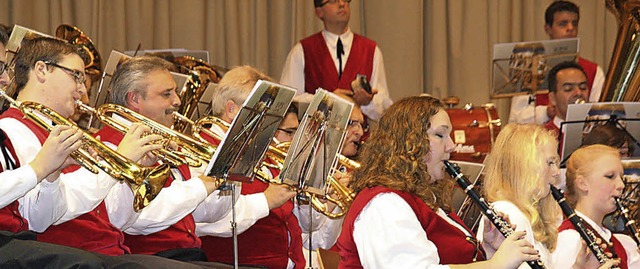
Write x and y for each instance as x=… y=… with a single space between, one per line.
x=146 y=182
x=623 y=77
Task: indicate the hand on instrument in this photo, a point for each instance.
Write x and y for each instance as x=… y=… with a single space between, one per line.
x=137 y=144
x=513 y=251
x=278 y=194
x=586 y=259
x=54 y=153
x=492 y=236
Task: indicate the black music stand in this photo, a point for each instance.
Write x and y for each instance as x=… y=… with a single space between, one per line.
x=582 y=117
x=240 y=153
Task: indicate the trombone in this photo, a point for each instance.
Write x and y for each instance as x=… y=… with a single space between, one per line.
x=146 y=182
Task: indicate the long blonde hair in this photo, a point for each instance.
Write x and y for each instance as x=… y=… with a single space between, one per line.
x=515 y=173
x=396 y=150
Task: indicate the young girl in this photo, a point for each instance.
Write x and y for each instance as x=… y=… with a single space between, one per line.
x=400 y=217
x=594 y=179
x=522 y=164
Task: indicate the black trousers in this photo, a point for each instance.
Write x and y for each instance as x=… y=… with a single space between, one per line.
x=22 y=251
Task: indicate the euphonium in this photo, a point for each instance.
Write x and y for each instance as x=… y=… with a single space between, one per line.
x=92 y=59
x=191 y=152
x=146 y=182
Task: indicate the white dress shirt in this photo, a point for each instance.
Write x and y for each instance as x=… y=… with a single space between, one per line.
x=293 y=73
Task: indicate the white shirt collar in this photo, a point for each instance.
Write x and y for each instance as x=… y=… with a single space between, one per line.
x=332 y=39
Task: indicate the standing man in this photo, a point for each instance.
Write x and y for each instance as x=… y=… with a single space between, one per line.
x=561 y=21
x=332 y=58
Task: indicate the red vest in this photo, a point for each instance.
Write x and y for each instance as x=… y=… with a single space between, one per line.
x=321 y=72
x=453 y=248
x=91 y=231
x=551 y=126
x=270 y=242
x=590 y=68
x=617 y=246
x=10 y=218
x=179 y=235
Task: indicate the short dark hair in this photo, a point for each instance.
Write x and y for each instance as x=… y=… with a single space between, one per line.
x=552 y=75
x=4 y=34
x=44 y=49
x=559 y=6
x=317 y=3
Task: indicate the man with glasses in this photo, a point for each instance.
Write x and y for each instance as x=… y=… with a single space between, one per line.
x=332 y=58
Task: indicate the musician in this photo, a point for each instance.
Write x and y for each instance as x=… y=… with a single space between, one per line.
x=289 y=125
x=561 y=21
x=611 y=135
x=332 y=58
x=567 y=85
x=594 y=179
x=166 y=227
x=270 y=233
x=49 y=72
x=398 y=218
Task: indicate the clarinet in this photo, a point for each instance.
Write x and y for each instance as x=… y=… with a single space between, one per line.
x=587 y=235
x=628 y=222
x=503 y=226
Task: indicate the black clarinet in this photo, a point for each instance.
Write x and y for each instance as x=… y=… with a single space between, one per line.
x=628 y=222
x=587 y=235
x=503 y=226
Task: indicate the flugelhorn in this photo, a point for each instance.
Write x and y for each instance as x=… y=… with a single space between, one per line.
x=336 y=192
x=191 y=152
x=146 y=182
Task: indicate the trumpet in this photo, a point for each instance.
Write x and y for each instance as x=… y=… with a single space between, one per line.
x=146 y=182
x=191 y=152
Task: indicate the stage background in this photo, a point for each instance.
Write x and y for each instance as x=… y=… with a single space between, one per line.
x=441 y=47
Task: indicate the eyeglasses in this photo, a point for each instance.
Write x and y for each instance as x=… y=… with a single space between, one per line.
x=289 y=131
x=334 y=2
x=78 y=76
x=4 y=67
x=363 y=125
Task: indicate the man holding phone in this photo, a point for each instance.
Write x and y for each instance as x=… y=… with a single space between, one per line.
x=338 y=60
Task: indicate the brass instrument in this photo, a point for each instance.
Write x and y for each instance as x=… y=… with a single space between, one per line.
x=191 y=152
x=276 y=154
x=146 y=182
x=344 y=196
x=623 y=77
x=92 y=59
x=200 y=75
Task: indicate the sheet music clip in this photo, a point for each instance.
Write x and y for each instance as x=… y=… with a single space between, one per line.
x=315 y=145
x=241 y=151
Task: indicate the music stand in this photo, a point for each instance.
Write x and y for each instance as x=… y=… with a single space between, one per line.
x=582 y=117
x=521 y=68
x=314 y=148
x=240 y=153
x=177 y=52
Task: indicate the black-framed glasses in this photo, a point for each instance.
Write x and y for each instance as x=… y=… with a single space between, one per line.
x=289 y=131
x=78 y=76
x=362 y=124
x=334 y=1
